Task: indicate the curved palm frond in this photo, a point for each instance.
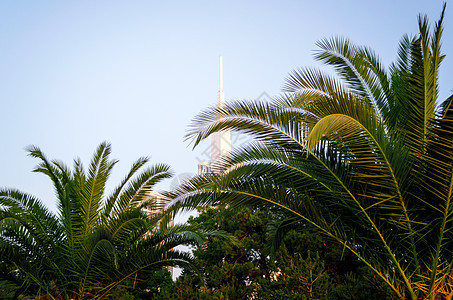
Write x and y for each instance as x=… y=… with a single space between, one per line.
x=94 y=243
x=363 y=160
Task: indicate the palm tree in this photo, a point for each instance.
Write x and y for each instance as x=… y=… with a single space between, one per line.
x=365 y=158
x=94 y=242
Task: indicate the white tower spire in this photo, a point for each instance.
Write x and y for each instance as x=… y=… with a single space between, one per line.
x=221 y=141
x=220 y=74
x=221 y=95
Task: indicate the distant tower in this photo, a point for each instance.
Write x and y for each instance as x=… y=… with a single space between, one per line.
x=220 y=141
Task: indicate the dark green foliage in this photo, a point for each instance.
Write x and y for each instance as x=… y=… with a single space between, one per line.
x=226 y=267
x=361 y=284
x=306 y=266
x=153 y=285
x=95 y=244
x=364 y=158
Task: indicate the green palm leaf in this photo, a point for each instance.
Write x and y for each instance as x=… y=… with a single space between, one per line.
x=94 y=243
x=362 y=159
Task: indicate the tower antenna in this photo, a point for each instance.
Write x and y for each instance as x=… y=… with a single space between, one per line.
x=221 y=96
x=220 y=141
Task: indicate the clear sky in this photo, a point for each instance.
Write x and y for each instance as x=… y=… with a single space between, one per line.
x=76 y=73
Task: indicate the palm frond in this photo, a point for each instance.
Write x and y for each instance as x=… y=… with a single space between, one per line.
x=358 y=67
x=113 y=198
x=93 y=243
x=93 y=188
x=138 y=189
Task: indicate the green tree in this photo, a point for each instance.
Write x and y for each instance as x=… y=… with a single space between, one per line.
x=154 y=285
x=366 y=158
x=94 y=243
x=230 y=270
x=304 y=267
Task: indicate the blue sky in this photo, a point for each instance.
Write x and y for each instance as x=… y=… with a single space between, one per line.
x=73 y=74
